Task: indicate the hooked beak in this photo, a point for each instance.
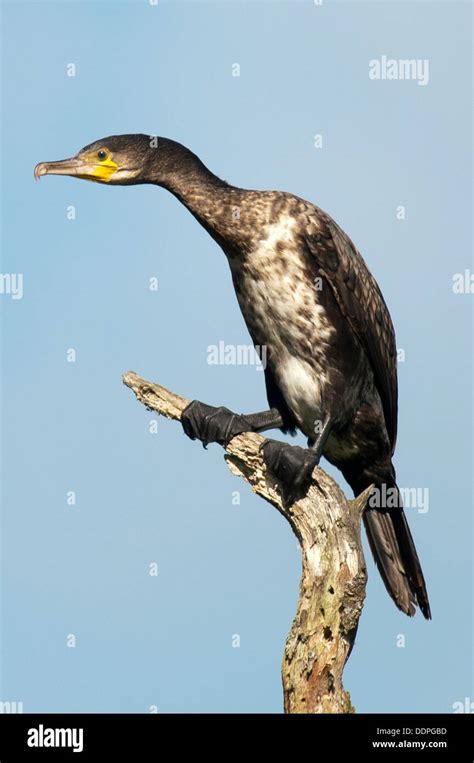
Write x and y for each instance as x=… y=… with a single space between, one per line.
x=84 y=167
x=73 y=167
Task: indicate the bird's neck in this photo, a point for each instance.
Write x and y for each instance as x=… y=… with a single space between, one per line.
x=214 y=203
x=216 y=206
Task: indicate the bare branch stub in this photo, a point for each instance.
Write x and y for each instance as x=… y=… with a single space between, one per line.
x=333 y=581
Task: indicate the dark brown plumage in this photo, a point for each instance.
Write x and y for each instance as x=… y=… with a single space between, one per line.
x=308 y=297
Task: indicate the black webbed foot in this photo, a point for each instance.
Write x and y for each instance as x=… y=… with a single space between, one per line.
x=292 y=466
x=209 y=424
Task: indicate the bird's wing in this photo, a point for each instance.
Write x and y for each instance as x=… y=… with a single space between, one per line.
x=361 y=303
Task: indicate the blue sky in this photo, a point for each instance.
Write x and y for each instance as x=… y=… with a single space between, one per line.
x=223 y=569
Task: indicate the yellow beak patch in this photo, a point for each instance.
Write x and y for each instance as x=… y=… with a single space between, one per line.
x=104 y=170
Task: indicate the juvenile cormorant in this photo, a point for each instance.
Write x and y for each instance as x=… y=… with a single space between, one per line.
x=308 y=297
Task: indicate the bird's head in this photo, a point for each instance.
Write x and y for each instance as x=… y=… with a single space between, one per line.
x=116 y=160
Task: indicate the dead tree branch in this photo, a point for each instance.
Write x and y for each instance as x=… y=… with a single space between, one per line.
x=333 y=581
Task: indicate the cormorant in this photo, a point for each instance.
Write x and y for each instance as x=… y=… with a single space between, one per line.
x=308 y=297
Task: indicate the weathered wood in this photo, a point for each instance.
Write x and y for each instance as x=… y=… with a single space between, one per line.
x=332 y=588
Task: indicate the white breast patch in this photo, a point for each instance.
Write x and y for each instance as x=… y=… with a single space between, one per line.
x=282 y=311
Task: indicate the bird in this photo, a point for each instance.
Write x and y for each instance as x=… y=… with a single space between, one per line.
x=308 y=298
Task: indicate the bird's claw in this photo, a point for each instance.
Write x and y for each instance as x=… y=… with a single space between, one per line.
x=292 y=466
x=209 y=424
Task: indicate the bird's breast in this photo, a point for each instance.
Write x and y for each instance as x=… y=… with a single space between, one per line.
x=280 y=305
x=277 y=294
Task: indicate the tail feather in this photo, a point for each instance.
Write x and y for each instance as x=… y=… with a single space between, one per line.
x=396 y=558
x=393 y=548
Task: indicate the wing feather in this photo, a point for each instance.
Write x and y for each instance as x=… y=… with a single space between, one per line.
x=361 y=303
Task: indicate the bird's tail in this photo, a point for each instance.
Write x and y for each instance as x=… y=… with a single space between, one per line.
x=391 y=542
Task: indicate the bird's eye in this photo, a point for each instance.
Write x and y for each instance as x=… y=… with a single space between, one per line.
x=102 y=154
